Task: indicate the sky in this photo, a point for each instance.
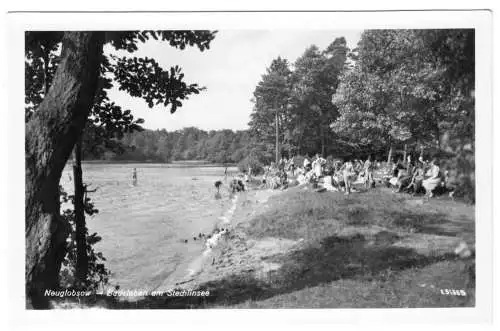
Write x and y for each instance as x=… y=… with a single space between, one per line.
x=230 y=70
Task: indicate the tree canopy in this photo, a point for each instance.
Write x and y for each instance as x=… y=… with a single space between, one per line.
x=408 y=86
x=302 y=94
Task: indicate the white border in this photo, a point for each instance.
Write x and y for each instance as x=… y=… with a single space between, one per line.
x=480 y=20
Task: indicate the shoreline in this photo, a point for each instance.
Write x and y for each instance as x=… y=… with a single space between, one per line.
x=215 y=263
x=173 y=164
x=206 y=266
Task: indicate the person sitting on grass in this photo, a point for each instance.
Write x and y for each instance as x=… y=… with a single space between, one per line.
x=397 y=167
x=415 y=184
x=433 y=179
x=450 y=184
x=338 y=176
x=405 y=177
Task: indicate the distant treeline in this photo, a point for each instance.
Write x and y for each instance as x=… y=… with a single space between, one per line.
x=215 y=146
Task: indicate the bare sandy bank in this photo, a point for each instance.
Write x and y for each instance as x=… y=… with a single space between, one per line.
x=234 y=252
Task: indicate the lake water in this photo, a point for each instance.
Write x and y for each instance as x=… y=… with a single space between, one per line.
x=143 y=227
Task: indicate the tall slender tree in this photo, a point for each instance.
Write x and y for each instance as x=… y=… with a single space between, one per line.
x=315 y=79
x=271 y=98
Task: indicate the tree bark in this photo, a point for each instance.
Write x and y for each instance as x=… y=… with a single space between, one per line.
x=438 y=138
x=277 y=137
x=80 y=227
x=322 y=140
x=50 y=136
x=389 y=157
x=46 y=57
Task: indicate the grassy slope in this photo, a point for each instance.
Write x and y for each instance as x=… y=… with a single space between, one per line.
x=370 y=249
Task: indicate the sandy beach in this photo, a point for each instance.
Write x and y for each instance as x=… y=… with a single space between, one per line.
x=234 y=252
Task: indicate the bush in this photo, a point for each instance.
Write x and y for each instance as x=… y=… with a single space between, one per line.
x=252 y=161
x=97 y=273
x=462 y=174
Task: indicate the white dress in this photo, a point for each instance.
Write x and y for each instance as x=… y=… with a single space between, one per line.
x=317 y=167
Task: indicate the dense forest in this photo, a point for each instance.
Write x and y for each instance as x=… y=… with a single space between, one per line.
x=221 y=146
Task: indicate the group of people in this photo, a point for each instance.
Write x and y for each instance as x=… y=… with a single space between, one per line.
x=420 y=176
x=405 y=175
x=276 y=174
x=345 y=174
x=334 y=175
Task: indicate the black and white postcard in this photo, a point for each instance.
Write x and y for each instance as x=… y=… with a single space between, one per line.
x=254 y=160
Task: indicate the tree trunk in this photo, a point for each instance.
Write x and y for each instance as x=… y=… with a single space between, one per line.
x=389 y=157
x=438 y=139
x=322 y=140
x=50 y=136
x=277 y=138
x=404 y=154
x=46 y=57
x=80 y=227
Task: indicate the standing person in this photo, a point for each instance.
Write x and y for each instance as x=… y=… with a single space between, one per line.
x=225 y=174
x=292 y=166
x=368 y=168
x=218 y=184
x=307 y=164
x=318 y=165
x=249 y=172
x=134 y=177
x=408 y=160
x=348 y=174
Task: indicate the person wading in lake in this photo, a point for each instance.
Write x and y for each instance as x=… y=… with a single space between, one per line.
x=134 y=177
